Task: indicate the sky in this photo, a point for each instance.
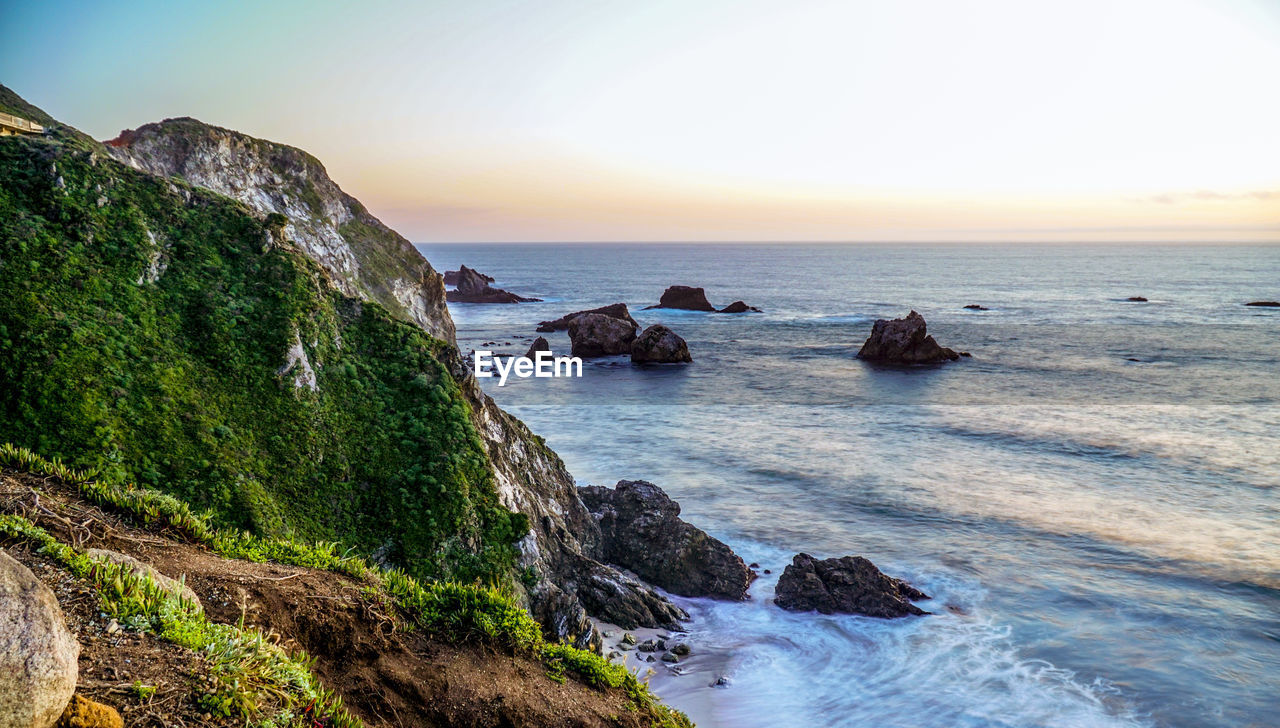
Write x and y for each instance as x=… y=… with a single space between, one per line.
x=1089 y=120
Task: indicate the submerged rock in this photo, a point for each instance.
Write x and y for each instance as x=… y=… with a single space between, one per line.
x=641 y=530
x=738 y=307
x=473 y=287
x=686 y=298
x=904 y=341
x=595 y=334
x=451 y=277
x=1137 y=299
x=38 y=654
x=660 y=345
x=977 y=307
x=848 y=585
x=613 y=310
x=1265 y=304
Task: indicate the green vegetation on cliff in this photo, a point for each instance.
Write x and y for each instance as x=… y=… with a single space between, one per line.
x=157 y=333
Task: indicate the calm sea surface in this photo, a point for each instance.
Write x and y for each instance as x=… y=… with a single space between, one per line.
x=1093 y=499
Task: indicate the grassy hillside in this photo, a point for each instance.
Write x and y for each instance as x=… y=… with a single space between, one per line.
x=146 y=329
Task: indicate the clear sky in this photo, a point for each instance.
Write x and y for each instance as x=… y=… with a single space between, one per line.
x=702 y=120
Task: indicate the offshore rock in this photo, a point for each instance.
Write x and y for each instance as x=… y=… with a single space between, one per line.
x=1264 y=304
x=739 y=307
x=613 y=310
x=641 y=530
x=473 y=287
x=686 y=298
x=904 y=341
x=659 y=345
x=38 y=654
x=451 y=277
x=848 y=585
x=595 y=334
x=539 y=344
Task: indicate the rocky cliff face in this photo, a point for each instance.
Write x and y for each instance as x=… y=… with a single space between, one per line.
x=365 y=258
x=561 y=556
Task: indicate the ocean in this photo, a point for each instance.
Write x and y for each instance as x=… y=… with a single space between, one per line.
x=1091 y=499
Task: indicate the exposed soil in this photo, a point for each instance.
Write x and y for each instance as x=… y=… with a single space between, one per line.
x=385 y=677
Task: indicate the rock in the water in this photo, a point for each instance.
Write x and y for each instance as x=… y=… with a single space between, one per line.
x=977 y=307
x=473 y=287
x=613 y=310
x=595 y=334
x=641 y=530
x=681 y=649
x=686 y=298
x=670 y=657
x=739 y=307
x=904 y=341
x=659 y=345
x=137 y=568
x=848 y=585
x=38 y=654
x=539 y=344
x=1136 y=299
x=1264 y=304
x=452 y=277
x=648 y=646
x=84 y=713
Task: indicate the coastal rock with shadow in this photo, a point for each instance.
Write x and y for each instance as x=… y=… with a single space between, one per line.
x=904 y=341
x=659 y=345
x=685 y=298
x=641 y=530
x=613 y=310
x=847 y=585
x=739 y=307
x=594 y=334
x=473 y=287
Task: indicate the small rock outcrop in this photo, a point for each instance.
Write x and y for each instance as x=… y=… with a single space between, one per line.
x=539 y=344
x=84 y=713
x=595 y=334
x=659 y=345
x=904 y=341
x=451 y=277
x=977 y=307
x=473 y=287
x=1137 y=299
x=613 y=310
x=847 y=585
x=739 y=307
x=641 y=531
x=137 y=568
x=686 y=298
x=1264 y=304
x=38 y=654
x=620 y=599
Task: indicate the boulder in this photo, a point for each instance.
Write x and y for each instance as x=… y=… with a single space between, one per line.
x=738 y=307
x=686 y=298
x=1265 y=304
x=904 y=341
x=84 y=713
x=848 y=585
x=38 y=654
x=613 y=310
x=659 y=345
x=472 y=286
x=137 y=568
x=641 y=531
x=595 y=334
x=539 y=344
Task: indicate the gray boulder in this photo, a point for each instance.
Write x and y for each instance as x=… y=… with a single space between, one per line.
x=473 y=287
x=595 y=334
x=848 y=585
x=613 y=310
x=904 y=341
x=641 y=531
x=659 y=345
x=38 y=654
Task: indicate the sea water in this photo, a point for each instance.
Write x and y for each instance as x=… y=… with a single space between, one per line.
x=1092 y=500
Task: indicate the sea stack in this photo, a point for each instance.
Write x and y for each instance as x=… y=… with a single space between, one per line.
x=904 y=341
x=848 y=585
x=685 y=298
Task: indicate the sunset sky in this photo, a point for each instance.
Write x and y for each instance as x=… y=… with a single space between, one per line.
x=690 y=120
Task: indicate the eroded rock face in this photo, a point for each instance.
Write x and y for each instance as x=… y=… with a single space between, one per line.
x=472 y=286
x=363 y=257
x=904 y=341
x=171 y=585
x=659 y=345
x=686 y=298
x=38 y=654
x=618 y=598
x=641 y=530
x=595 y=334
x=613 y=310
x=739 y=307
x=847 y=585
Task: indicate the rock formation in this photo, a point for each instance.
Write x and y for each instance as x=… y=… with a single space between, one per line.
x=539 y=344
x=451 y=277
x=1136 y=299
x=1264 y=304
x=613 y=310
x=904 y=341
x=738 y=307
x=659 y=345
x=848 y=585
x=641 y=530
x=595 y=334
x=84 y=713
x=38 y=654
x=686 y=298
x=473 y=287
x=976 y=307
